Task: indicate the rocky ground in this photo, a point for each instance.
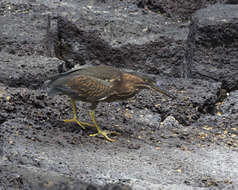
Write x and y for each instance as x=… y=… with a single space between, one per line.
x=190 y=47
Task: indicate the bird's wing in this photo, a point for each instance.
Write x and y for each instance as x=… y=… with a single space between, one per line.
x=103 y=72
x=88 y=88
x=85 y=83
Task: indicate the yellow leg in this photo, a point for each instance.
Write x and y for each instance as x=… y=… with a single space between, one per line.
x=100 y=131
x=75 y=118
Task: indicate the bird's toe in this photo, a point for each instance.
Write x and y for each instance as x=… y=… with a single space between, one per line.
x=80 y=123
x=105 y=133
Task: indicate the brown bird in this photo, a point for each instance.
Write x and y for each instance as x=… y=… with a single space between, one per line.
x=96 y=84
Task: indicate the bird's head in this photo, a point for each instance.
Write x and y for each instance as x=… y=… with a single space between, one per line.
x=142 y=81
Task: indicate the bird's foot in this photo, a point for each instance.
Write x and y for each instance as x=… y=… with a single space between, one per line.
x=105 y=134
x=80 y=123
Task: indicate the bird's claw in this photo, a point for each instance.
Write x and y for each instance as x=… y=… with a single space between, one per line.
x=105 y=134
x=80 y=123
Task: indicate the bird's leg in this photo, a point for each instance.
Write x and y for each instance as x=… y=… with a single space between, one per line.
x=75 y=118
x=100 y=131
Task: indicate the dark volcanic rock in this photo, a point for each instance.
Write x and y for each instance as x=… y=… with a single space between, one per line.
x=213 y=45
x=179 y=10
x=23 y=27
x=230 y=104
x=23 y=177
x=190 y=142
x=129 y=41
x=31 y=71
x=193 y=99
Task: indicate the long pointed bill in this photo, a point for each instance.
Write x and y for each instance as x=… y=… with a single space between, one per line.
x=162 y=91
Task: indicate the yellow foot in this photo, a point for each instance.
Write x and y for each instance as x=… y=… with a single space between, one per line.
x=80 y=123
x=105 y=134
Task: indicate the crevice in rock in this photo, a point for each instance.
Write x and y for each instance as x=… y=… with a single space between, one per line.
x=2 y=120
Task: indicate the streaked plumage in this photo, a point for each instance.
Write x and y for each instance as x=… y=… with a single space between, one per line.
x=96 y=84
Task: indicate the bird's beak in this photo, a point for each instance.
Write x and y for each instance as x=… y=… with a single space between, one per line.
x=162 y=91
